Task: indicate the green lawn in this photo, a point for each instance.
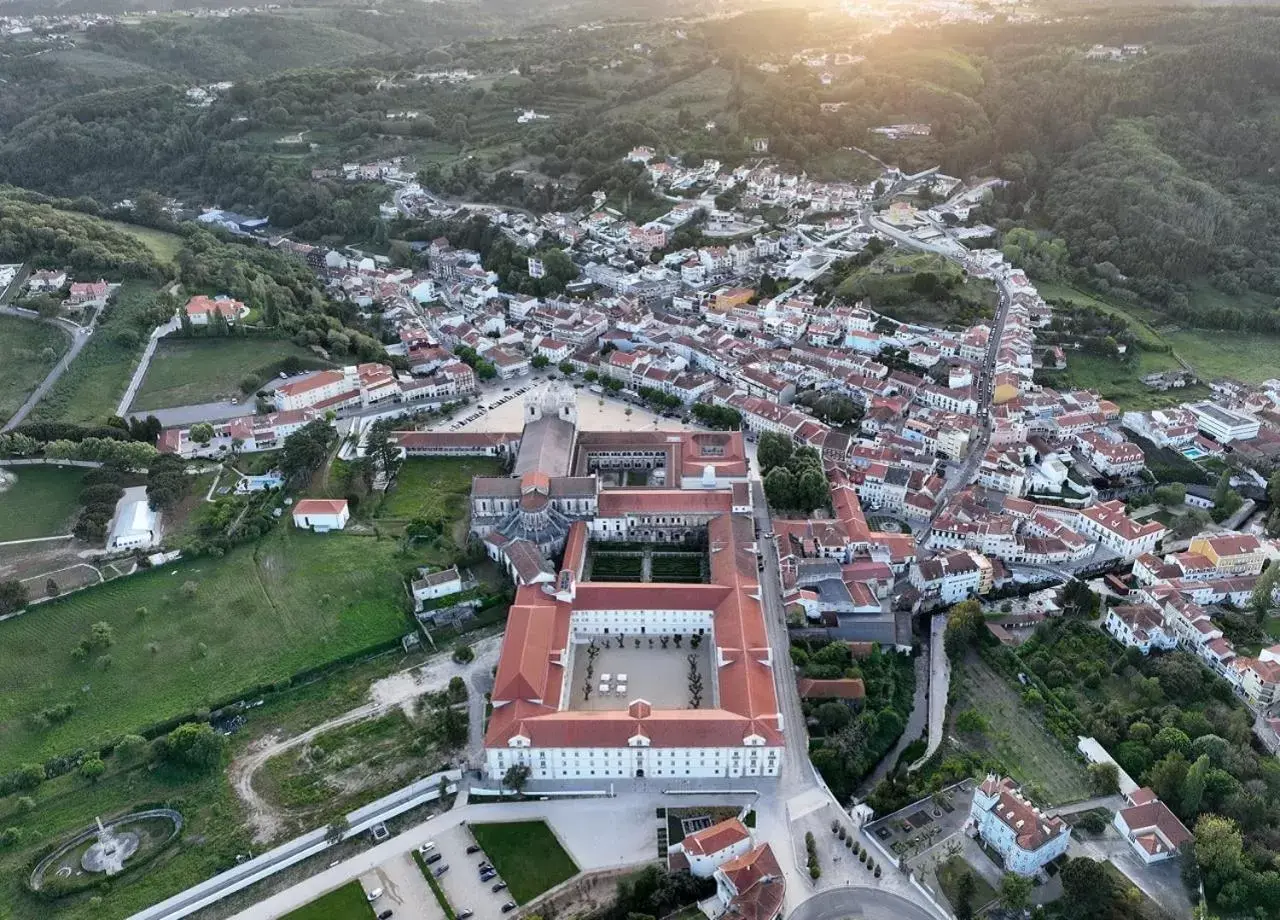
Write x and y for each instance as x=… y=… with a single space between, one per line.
x=164 y=245
x=527 y=856
x=28 y=350
x=260 y=614
x=345 y=903
x=435 y=488
x=92 y=386
x=42 y=503
x=1121 y=381
x=1025 y=748
x=949 y=875
x=1245 y=356
x=188 y=371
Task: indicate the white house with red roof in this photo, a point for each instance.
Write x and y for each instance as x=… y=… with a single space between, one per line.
x=751 y=886
x=1026 y=839
x=1154 y=832
x=321 y=514
x=201 y=309
x=706 y=850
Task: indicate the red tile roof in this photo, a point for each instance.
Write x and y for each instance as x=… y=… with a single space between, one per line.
x=717 y=837
x=320 y=506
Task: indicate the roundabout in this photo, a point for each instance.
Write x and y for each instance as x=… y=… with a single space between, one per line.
x=861 y=903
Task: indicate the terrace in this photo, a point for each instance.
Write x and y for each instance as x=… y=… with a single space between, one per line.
x=647 y=670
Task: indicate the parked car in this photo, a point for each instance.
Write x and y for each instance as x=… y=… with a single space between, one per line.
x=374 y=895
x=434 y=858
x=484 y=865
x=499 y=886
x=442 y=870
x=465 y=913
x=427 y=847
x=385 y=915
x=488 y=876
x=508 y=907
x=474 y=848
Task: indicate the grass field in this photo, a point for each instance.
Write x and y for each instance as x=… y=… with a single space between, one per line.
x=1248 y=357
x=949 y=875
x=889 y=283
x=28 y=350
x=259 y=614
x=345 y=903
x=437 y=490
x=1028 y=752
x=188 y=371
x=527 y=856
x=1121 y=382
x=164 y=245
x=92 y=386
x=42 y=503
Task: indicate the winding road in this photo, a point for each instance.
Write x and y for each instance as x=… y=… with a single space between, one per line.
x=79 y=338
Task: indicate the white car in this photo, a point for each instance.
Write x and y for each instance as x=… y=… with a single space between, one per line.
x=374 y=895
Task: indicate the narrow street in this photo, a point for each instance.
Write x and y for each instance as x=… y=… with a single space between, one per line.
x=79 y=338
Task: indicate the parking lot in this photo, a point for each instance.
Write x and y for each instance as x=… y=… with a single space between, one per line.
x=404 y=891
x=462 y=885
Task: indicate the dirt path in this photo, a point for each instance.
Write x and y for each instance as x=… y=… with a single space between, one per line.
x=400 y=689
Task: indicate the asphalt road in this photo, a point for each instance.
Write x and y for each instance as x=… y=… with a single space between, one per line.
x=859 y=904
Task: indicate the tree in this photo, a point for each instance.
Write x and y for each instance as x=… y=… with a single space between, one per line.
x=1086 y=888
x=1264 y=589
x=1194 y=785
x=194 y=746
x=1105 y=777
x=773 y=450
x=779 y=488
x=540 y=361
x=516 y=777
x=92 y=768
x=13 y=596
x=1219 y=849
x=131 y=749
x=51 y=588
x=964 y=896
x=463 y=654
x=964 y=626
x=202 y=433
x=102 y=635
x=305 y=451
x=1015 y=892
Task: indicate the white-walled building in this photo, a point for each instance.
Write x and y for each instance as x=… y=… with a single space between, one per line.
x=1024 y=837
x=706 y=850
x=1154 y=832
x=321 y=514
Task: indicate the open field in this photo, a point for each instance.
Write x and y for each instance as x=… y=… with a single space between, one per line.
x=188 y=371
x=1121 y=382
x=1028 y=752
x=345 y=903
x=436 y=489
x=343 y=769
x=92 y=386
x=28 y=350
x=259 y=614
x=42 y=503
x=1248 y=357
x=527 y=855
x=164 y=245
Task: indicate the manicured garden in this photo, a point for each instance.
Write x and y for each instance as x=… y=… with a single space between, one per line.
x=527 y=856
x=28 y=351
x=345 y=903
x=678 y=567
x=190 y=635
x=616 y=567
x=41 y=503
x=189 y=371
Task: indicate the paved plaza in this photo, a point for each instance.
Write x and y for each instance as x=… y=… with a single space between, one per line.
x=660 y=676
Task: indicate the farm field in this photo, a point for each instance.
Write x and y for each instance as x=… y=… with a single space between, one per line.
x=345 y=903
x=527 y=855
x=92 y=386
x=189 y=371
x=1027 y=750
x=193 y=634
x=28 y=350
x=41 y=503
